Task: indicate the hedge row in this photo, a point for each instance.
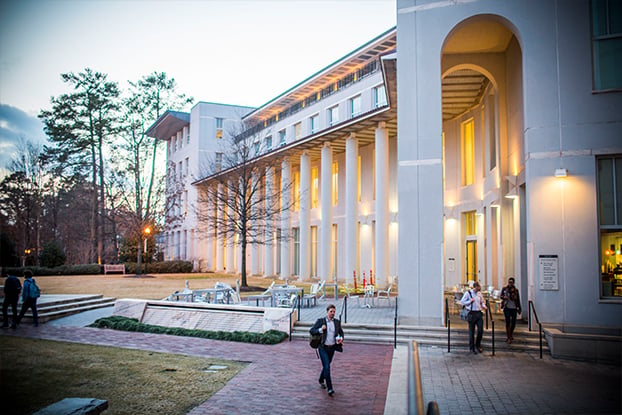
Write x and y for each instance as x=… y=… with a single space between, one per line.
x=131 y=324
x=165 y=267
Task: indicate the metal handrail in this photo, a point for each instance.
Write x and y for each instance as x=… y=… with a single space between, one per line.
x=415 y=385
x=448 y=325
x=533 y=307
x=344 y=309
x=492 y=323
x=291 y=311
x=395 y=326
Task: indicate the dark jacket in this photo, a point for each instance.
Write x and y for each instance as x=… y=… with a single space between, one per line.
x=508 y=293
x=12 y=286
x=315 y=329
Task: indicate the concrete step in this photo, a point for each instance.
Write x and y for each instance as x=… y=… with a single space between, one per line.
x=51 y=310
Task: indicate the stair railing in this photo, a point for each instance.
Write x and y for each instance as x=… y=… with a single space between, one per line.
x=395 y=326
x=532 y=307
x=415 y=385
x=344 y=309
x=492 y=323
x=448 y=325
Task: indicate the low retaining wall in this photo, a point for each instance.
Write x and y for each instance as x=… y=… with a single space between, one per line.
x=211 y=317
x=589 y=344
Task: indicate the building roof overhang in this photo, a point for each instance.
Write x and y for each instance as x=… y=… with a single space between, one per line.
x=168 y=124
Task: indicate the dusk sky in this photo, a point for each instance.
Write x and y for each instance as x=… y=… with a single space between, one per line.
x=232 y=52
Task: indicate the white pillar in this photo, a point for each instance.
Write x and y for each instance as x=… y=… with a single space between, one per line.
x=286 y=194
x=382 y=202
x=230 y=247
x=351 y=220
x=305 y=206
x=219 y=223
x=326 y=195
x=268 y=235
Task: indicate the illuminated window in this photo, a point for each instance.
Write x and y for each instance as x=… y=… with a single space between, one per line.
x=380 y=96
x=355 y=106
x=314 y=187
x=610 y=221
x=470 y=223
x=467 y=141
x=297 y=130
x=313 y=251
x=607 y=44
x=358 y=179
x=296 y=191
x=296 y=253
x=335 y=184
x=335 y=250
x=219 y=123
x=333 y=115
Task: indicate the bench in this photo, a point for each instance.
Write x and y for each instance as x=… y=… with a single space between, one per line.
x=114 y=268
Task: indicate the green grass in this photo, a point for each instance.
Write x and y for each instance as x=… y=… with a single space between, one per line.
x=36 y=373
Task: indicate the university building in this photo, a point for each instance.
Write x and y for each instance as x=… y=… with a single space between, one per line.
x=485 y=143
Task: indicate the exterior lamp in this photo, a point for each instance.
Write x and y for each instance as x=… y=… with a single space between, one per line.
x=146 y=231
x=560 y=173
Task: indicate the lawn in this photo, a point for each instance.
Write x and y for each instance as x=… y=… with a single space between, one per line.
x=36 y=373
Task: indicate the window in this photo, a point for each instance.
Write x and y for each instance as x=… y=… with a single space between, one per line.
x=187 y=162
x=219 y=122
x=314 y=187
x=256 y=147
x=218 y=161
x=296 y=191
x=380 y=96
x=492 y=132
x=607 y=44
x=296 y=253
x=174 y=141
x=282 y=138
x=333 y=115
x=180 y=140
x=334 y=251
x=268 y=142
x=181 y=172
x=187 y=134
x=610 y=222
x=335 y=184
x=185 y=202
x=297 y=130
x=467 y=151
x=315 y=124
x=313 y=251
x=358 y=179
x=355 y=106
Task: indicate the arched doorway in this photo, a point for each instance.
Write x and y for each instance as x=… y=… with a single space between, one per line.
x=483 y=171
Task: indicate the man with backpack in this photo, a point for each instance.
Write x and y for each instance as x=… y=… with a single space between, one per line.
x=12 y=288
x=332 y=340
x=29 y=299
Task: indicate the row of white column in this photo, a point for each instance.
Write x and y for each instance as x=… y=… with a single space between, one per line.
x=326 y=190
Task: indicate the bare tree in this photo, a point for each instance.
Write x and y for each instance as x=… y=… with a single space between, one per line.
x=240 y=195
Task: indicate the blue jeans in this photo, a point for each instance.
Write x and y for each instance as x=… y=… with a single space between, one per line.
x=326 y=355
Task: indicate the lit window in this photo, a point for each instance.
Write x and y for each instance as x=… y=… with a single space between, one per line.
x=219 y=123
x=380 y=96
x=467 y=136
x=355 y=106
x=314 y=187
x=335 y=250
x=610 y=222
x=296 y=191
x=297 y=130
x=333 y=115
x=607 y=44
x=335 y=184
x=315 y=123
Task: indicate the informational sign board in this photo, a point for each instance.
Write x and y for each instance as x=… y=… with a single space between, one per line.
x=549 y=272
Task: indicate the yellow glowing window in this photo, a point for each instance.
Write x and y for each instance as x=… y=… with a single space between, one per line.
x=314 y=187
x=470 y=223
x=467 y=142
x=335 y=184
x=296 y=191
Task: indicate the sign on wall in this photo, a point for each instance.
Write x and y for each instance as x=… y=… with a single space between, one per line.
x=549 y=272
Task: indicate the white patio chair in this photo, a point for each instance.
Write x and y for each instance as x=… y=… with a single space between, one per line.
x=385 y=294
x=266 y=295
x=352 y=297
x=312 y=296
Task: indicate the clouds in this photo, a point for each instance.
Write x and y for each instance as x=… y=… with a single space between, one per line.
x=16 y=124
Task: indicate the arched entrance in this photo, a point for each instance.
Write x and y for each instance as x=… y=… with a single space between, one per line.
x=483 y=172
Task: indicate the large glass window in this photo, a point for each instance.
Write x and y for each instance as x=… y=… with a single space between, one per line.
x=467 y=135
x=314 y=251
x=315 y=185
x=296 y=191
x=355 y=106
x=297 y=130
x=610 y=221
x=282 y=138
x=607 y=44
x=296 y=253
x=335 y=183
x=335 y=251
x=333 y=115
x=380 y=96
x=315 y=124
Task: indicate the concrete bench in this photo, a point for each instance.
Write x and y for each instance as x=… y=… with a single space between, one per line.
x=75 y=406
x=114 y=268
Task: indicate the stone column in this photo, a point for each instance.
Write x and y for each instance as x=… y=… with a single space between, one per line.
x=268 y=235
x=305 y=206
x=230 y=247
x=382 y=202
x=351 y=211
x=286 y=194
x=326 y=195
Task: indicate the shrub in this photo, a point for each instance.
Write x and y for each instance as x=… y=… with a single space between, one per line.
x=52 y=255
x=131 y=324
x=165 y=267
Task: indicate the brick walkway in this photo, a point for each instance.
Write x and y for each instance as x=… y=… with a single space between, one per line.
x=280 y=379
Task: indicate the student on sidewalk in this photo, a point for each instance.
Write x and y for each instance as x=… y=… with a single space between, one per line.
x=474 y=302
x=511 y=307
x=12 y=288
x=29 y=299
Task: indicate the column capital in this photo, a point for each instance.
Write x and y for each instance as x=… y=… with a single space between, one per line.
x=382 y=124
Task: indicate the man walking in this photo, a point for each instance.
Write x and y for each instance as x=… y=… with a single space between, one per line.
x=29 y=298
x=474 y=302
x=12 y=288
x=332 y=340
x=511 y=308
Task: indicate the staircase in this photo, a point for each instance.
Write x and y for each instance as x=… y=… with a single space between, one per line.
x=524 y=340
x=51 y=307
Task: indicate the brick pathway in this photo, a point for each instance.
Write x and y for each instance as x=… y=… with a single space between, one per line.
x=280 y=379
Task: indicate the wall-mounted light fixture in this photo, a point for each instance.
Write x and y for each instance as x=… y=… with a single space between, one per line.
x=512 y=194
x=559 y=173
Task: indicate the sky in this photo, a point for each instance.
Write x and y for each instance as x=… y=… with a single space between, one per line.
x=242 y=52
